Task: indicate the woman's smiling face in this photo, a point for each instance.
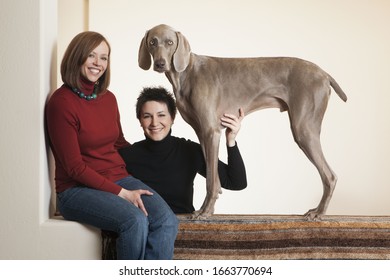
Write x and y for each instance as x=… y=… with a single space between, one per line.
x=96 y=63
x=155 y=120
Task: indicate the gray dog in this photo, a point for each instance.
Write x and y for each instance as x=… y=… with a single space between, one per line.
x=206 y=87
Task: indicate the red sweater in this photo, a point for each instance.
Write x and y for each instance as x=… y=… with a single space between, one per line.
x=84 y=137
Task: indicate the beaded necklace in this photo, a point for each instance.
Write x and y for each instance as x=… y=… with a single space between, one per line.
x=83 y=95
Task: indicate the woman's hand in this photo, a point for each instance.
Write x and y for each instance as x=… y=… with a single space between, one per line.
x=233 y=125
x=135 y=197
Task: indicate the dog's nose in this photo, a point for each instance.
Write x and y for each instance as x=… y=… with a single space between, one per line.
x=160 y=64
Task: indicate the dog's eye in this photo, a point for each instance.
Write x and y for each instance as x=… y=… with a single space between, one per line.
x=152 y=42
x=170 y=42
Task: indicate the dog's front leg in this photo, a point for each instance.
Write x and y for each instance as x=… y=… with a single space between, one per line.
x=210 y=145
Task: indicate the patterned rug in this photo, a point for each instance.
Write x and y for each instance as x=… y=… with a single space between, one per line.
x=283 y=237
x=237 y=237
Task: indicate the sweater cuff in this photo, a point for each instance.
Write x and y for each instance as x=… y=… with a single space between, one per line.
x=111 y=187
x=232 y=147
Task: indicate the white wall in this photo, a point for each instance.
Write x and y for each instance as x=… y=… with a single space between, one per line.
x=349 y=39
x=28 y=31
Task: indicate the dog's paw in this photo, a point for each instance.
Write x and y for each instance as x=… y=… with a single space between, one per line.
x=313 y=215
x=201 y=214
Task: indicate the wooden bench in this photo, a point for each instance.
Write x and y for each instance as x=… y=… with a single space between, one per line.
x=276 y=237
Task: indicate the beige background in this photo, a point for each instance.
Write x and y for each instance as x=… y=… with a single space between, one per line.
x=348 y=39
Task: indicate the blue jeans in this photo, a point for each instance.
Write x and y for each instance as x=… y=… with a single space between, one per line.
x=139 y=236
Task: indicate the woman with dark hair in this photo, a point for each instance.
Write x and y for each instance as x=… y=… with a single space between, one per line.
x=169 y=164
x=92 y=184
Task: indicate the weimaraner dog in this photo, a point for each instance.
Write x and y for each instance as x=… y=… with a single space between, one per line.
x=207 y=87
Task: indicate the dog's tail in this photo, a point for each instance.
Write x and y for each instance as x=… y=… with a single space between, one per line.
x=337 y=88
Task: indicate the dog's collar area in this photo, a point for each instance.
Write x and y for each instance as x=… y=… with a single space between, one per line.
x=81 y=94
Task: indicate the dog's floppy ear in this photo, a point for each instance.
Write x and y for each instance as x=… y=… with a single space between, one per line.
x=181 y=57
x=144 y=58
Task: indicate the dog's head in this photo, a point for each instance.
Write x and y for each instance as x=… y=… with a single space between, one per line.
x=166 y=47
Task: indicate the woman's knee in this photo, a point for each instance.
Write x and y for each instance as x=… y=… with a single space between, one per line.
x=136 y=222
x=173 y=220
x=167 y=221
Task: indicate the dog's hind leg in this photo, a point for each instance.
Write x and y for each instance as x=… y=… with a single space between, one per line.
x=311 y=146
x=306 y=133
x=210 y=144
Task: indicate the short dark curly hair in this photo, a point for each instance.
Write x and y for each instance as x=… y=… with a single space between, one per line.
x=158 y=94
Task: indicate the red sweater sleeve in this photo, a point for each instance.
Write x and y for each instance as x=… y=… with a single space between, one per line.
x=80 y=159
x=121 y=142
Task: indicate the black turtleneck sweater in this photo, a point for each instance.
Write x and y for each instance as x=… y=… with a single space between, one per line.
x=170 y=166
